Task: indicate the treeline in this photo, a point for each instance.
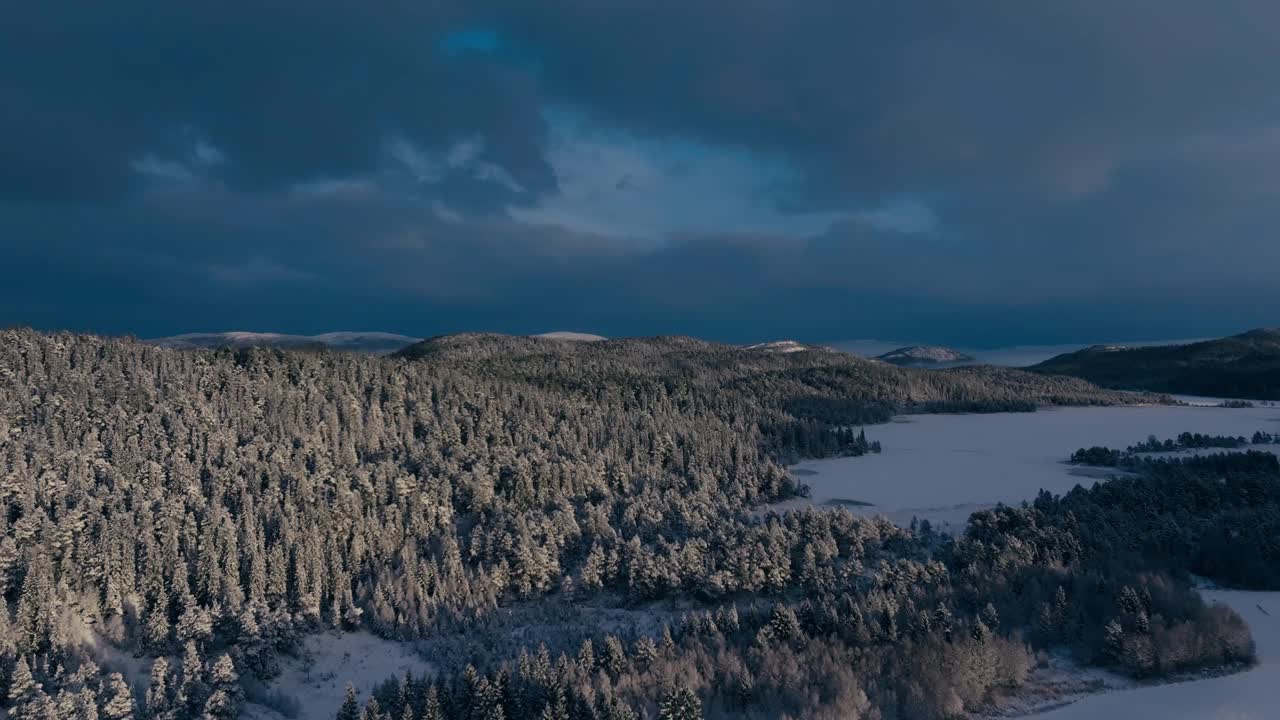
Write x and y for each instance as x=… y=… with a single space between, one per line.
x=1190 y=441
x=202 y=510
x=1213 y=515
x=1110 y=457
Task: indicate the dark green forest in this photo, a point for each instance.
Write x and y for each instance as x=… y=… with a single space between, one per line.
x=1240 y=366
x=204 y=510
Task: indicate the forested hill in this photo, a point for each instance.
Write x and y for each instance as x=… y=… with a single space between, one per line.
x=204 y=508
x=1240 y=366
x=798 y=403
x=818 y=383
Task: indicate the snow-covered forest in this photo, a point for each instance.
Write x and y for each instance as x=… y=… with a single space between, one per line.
x=565 y=530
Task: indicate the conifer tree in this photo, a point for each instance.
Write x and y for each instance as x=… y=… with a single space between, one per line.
x=680 y=704
x=119 y=699
x=350 y=709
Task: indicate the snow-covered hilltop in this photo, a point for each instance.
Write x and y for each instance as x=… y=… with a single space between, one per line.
x=369 y=342
x=571 y=336
x=778 y=346
x=925 y=355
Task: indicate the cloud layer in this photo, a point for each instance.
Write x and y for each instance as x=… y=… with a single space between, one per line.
x=975 y=173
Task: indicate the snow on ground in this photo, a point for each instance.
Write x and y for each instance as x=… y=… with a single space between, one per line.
x=1250 y=695
x=317 y=680
x=777 y=346
x=574 y=336
x=944 y=467
x=941 y=467
x=1056 y=681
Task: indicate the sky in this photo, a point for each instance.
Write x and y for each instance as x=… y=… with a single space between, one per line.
x=983 y=173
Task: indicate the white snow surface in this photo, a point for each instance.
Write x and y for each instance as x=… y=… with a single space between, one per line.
x=318 y=680
x=1250 y=695
x=574 y=336
x=778 y=346
x=945 y=467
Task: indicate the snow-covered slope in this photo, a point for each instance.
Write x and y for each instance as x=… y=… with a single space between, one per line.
x=574 y=336
x=372 y=342
x=925 y=355
x=778 y=346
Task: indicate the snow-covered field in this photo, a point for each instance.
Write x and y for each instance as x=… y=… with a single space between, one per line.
x=317 y=681
x=1250 y=695
x=944 y=467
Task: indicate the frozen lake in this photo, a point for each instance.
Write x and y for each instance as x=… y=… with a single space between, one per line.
x=944 y=467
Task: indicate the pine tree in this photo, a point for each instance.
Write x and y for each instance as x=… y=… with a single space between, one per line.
x=486 y=700
x=350 y=709
x=192 y=689
x=557 y=707
x=431 y=709
x=586 y=657
x=23 y=685
x=156 y=629
x=990 y=616
x=118 y=699
x=26 y=697
x=1113 y=640
x=615 y=656
x=784 y=624
x=159 y=703
x=35 y=607
x=372 y=710
x=224 y=700
x=194 y=624
x=646 y=652
x=680 y=704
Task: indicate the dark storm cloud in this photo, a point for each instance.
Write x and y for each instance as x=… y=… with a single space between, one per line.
x=890 y=96
x=984 y=172
x=280 y=92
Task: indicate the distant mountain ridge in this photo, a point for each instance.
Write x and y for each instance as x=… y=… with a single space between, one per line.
x=925 y=355
x=1239 y=366
x=378 y=343
x=369 y=342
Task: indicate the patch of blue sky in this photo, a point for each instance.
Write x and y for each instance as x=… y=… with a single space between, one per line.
x=616 y=183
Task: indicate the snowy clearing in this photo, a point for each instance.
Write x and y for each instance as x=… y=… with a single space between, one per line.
x=317 y=681
x=945 y=467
